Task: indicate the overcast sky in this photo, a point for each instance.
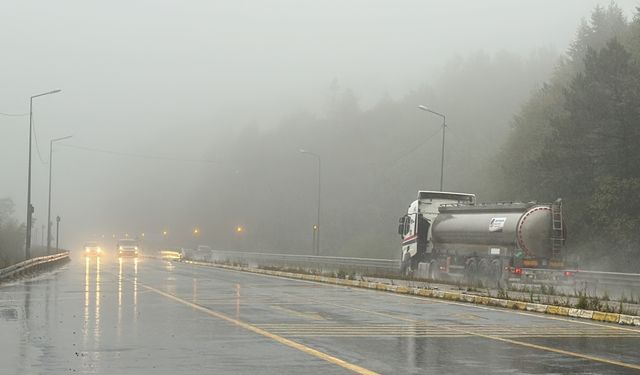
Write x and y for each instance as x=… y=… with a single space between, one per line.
x=164 y=77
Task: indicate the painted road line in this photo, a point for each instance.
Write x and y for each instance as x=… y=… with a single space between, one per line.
x=517 y=312
x=514 y=332
x=437 y=295
x=515 y=342
x=501 y=339
x=424 y=299
x=249 y=327
x=301 y=314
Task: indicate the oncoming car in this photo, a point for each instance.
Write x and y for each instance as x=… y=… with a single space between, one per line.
x=127 y=247
x=91 y=248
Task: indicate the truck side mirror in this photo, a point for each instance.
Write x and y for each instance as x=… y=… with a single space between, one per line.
x=401 y=225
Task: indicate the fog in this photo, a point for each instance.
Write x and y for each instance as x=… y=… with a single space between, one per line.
x=177 y=110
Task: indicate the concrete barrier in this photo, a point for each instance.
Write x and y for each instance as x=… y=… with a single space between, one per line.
x=536 y=307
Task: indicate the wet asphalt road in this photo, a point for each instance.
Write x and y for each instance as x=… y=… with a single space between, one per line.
x=159 y=317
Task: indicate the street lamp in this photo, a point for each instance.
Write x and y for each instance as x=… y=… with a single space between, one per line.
x=27 y=248
x=49 y=210
x=57 y=233
x=316 y=227
x=444 y=126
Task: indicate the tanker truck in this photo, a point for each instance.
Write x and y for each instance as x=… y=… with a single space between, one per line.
x=449 y=235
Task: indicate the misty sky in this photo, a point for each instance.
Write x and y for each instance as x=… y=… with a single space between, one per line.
x=166 y=77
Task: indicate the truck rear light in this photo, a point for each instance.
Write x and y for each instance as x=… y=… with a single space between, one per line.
x=568 y=273
x=517 y=271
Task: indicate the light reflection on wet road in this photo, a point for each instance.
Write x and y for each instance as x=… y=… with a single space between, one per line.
x=129 y=316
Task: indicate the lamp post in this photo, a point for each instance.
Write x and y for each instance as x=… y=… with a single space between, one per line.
x=57 y=233
x=196 y=235
x=49 y=209
x=27 y=248
x=316 y=227
x=444 y=127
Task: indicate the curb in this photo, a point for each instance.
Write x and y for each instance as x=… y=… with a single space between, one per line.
x=599 y=316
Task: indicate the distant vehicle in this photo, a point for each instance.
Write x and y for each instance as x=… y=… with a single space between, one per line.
x=186 y=253
x=92 y=248
x=202 y=252
x=127 y=247
x=171 y=254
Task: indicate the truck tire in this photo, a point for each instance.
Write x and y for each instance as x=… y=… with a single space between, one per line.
x=484 y=270
x=405 y=267
x=496 y=272
x=432 y=272
x=471 y=271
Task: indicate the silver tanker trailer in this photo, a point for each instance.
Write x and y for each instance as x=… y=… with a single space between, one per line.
x=449 y=235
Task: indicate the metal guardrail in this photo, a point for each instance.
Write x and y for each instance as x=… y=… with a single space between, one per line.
x=30 y=263
x=609 y=278
x=317 y=263
x=390 y=267
x=592 y=283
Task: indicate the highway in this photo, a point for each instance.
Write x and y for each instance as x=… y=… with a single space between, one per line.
x=110 y=316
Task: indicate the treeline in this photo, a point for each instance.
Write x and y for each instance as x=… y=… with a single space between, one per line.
x=12 y=235
x=578 y=137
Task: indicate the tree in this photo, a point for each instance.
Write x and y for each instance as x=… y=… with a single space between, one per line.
x=606 y=24
x=11 y=235
x=590 y=154
x=576 y=139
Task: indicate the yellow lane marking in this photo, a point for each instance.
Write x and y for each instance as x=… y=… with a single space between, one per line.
x=510 y=341
x=303 y=348
x=306 y=315
x=467 y=316
x=522 y=332
x=248 y=302
x=560 y=351
x=439 y=335
x=517 y=312
x=540 y=347
x=428 y=300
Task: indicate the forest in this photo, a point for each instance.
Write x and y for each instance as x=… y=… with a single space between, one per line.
x=577 y=138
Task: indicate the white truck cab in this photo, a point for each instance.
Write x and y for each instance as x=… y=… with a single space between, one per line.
x=415 y=226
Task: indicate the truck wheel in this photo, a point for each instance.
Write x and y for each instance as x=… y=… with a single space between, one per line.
x=484 y=271
x=471 y=271
x=496 y=272
x=432 y=272
x=405 y=267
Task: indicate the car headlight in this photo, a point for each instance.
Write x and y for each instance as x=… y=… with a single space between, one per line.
x=135 y=247
x=120 y=248
x=86 y=249
x=98 y=249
